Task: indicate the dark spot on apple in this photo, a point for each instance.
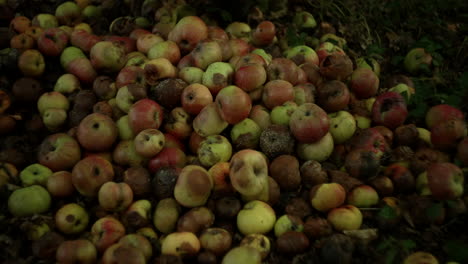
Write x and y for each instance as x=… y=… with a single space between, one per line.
x=96 y=171
x=96 y=125
x=190 y=96
x=236 y=165
x=336 y=126
x=35 y=173
x=257 y=170
x=78 y=222
x=307 y=113
x=70 y=218
x=263 y=243
x=160 y=143
x=147 y=138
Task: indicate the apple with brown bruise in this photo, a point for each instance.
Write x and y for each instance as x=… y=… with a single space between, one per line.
x=362 y=163
x=144 y=114
x=181 y=244
x=276 y=93
x=327 y=196
x=188 y=32
x=402 y=178
x=195 y=220
x=364 y=83
x=446 y=134
x=76 y=251
x=216 y=240
x=193 y=186
x=336 y=66
x=90 y=173
x=440 y=113
x=167 y=157
x=347 y=217
x=119 y=253
x=222 y=186
x=283 y=69
x=445 y=180
x=114 y=196
x=105 y=232
x=333 y=96
x=309 y=123
x=248 y=172
x=233 y=104
x=168 y=92
x=71 y=219
x=138 y=178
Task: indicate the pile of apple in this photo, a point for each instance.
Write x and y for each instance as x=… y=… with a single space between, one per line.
x=182 y=142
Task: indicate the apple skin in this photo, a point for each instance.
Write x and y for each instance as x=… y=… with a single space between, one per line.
x=130 y=74
x=342 y=126
x=83 y=69
x=180 y=244
x=191 y=75
x=248 y=59
x=165 y=49
x=149 y=142
x=363 y=196
x=157 y=69
x=264 y=33
x=144 y=42
x=445 y=180
x=188 y=32
x=309 y=123
x=233 y=104
x=242 y=254
x=217 y=76
x=214 y=149
x=389 y=109
x=67 y=83
x=195 y=97
x=115 y=197
x=59 y=152
x=193 y=186
x=447 y=134
x=118 y=253
x=245 y=134
x=440 y=113
x=248 y=172
x=276 y=93
x=250 y=77
x=71 y=219
x=144 y=114
x=364 y=83
x=336 y=67
x=19 y=24
x=178 y=123
x=106 y=56
x=76 y=251
x=83 y=40
x=52 y=42
x=301 y=54
x=90 y=173
x=222 y=186
x=28 y=201
x=347 y=217
x=256 y=217
x=209 y=121
x=97 y=132
x=205 y=53
x=417 y=60
x=421 y=257
x=167 y=157
x=333 y=96
x=22 y=42
x=35 y=174
x=105 y=232
x=283 y=69
x=326 y=196
x=31 y=63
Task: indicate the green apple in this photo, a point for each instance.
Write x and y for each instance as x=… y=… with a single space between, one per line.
x=35 y=174
x=304 y=20
x=369 y=63
x=67 y=83
x=245 y=134
x=191 y=74
x=242 y=254
x=209 y=122
x=217 y=76
x=28 y=201
x=240 y=30
x=91 y=11
x=69 y=54
x=281 y=114
x=67 y=12
x=422 y=184
x=214 y=149
x=45 y=21
x=362 y=122
x=342 y=126
x=319 y=151
x=54 y=118
x=288 y=223
x=302 y=54
x=52 y=100
x=363 y=196
x=424 y=135
x=404 y=90
x=256 y=217
x=125 y=131
x=417 y=60
x=71 y=219
x=124 y=99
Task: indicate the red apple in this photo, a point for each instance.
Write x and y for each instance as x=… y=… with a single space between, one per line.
x=194 y=97
x=442 y=112
x=333 y=96
x=82 y=69
x=283 y=69
x=90 y=173
x=233 y=104
x=364 y=83
x=130 y=74
x=250 y=77
x=277 y=92
x=446 y=134
x=445 y=180
x=31 y=63
x=97 y=132
x=144 y=114
x=389 y=109
x=84 y=40
x=264 y=33
x=188 y=32
x=52 y=42
x=167 y=157
x=59 y=152
x=309 y=123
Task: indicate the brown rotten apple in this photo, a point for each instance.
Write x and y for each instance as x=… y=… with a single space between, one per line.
x=309 y=123
x=193 y=186
x=97 y=132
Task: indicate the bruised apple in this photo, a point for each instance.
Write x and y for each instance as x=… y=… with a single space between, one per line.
x=309 y=123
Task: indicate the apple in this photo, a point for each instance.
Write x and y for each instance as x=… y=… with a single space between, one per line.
x=149 y=142
x=157 y=69
x=301 y=54
x=369 y=63
x=462 y=152
x=242 y=254
x=83 y=69
x=22 y=42
x=304 y=93
x=205 y=53
x=421 y=257
x=309 y=123
x=59 y=184
x=372 y=139
x=442 y=112
x=256 y=217
x=114 y=196
x=417 y=60
x=264 y=33
x=390 y=110
x=105 y=232
x=34 y=32
x=67 y=12
x=127 y=95
x=164 y=49
x=140 y=242
x=446 y=134
x=239 y=47
x=71 y=219
x=45 y=21
x=215 y=239
x=364 y=83
x=219 y=173
x=67 y=83
x=326 y=196
x=125 y=154
x=191 y=75
x=260 y=115
x=146 y=41
x=345 y=218
x=195 y=97
x=90 y=173
x=282 y=69
x=336 y=66
x=35 y=174
x=247 y=59
x=281 y=114
x=445 y=180
x=31 y=63
x=167 y=157
x=217 y=76
x=250 y=77
x=333 y=96
x=181 y=244
x=127 y=43
x=179 y=123
x=342 y=126
x=245 y=134
x=193 y=186
x=76 y=251
x=188 y=32
x=54 y=118
x=238 y=30
x=248 y=172
x=28 y=201
x=97 y=132
x=83 y=39
x=59 y=152
x=404 y=90
x=276 y=93
x=363 y=196
x=52 y=41
x=362 y=163
x=130 y=75
x=118 y=252
x=106 y=56
x=19 y=24
x=209 y=121
x=233 y=104
x=214 y=149
x=143 y=114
